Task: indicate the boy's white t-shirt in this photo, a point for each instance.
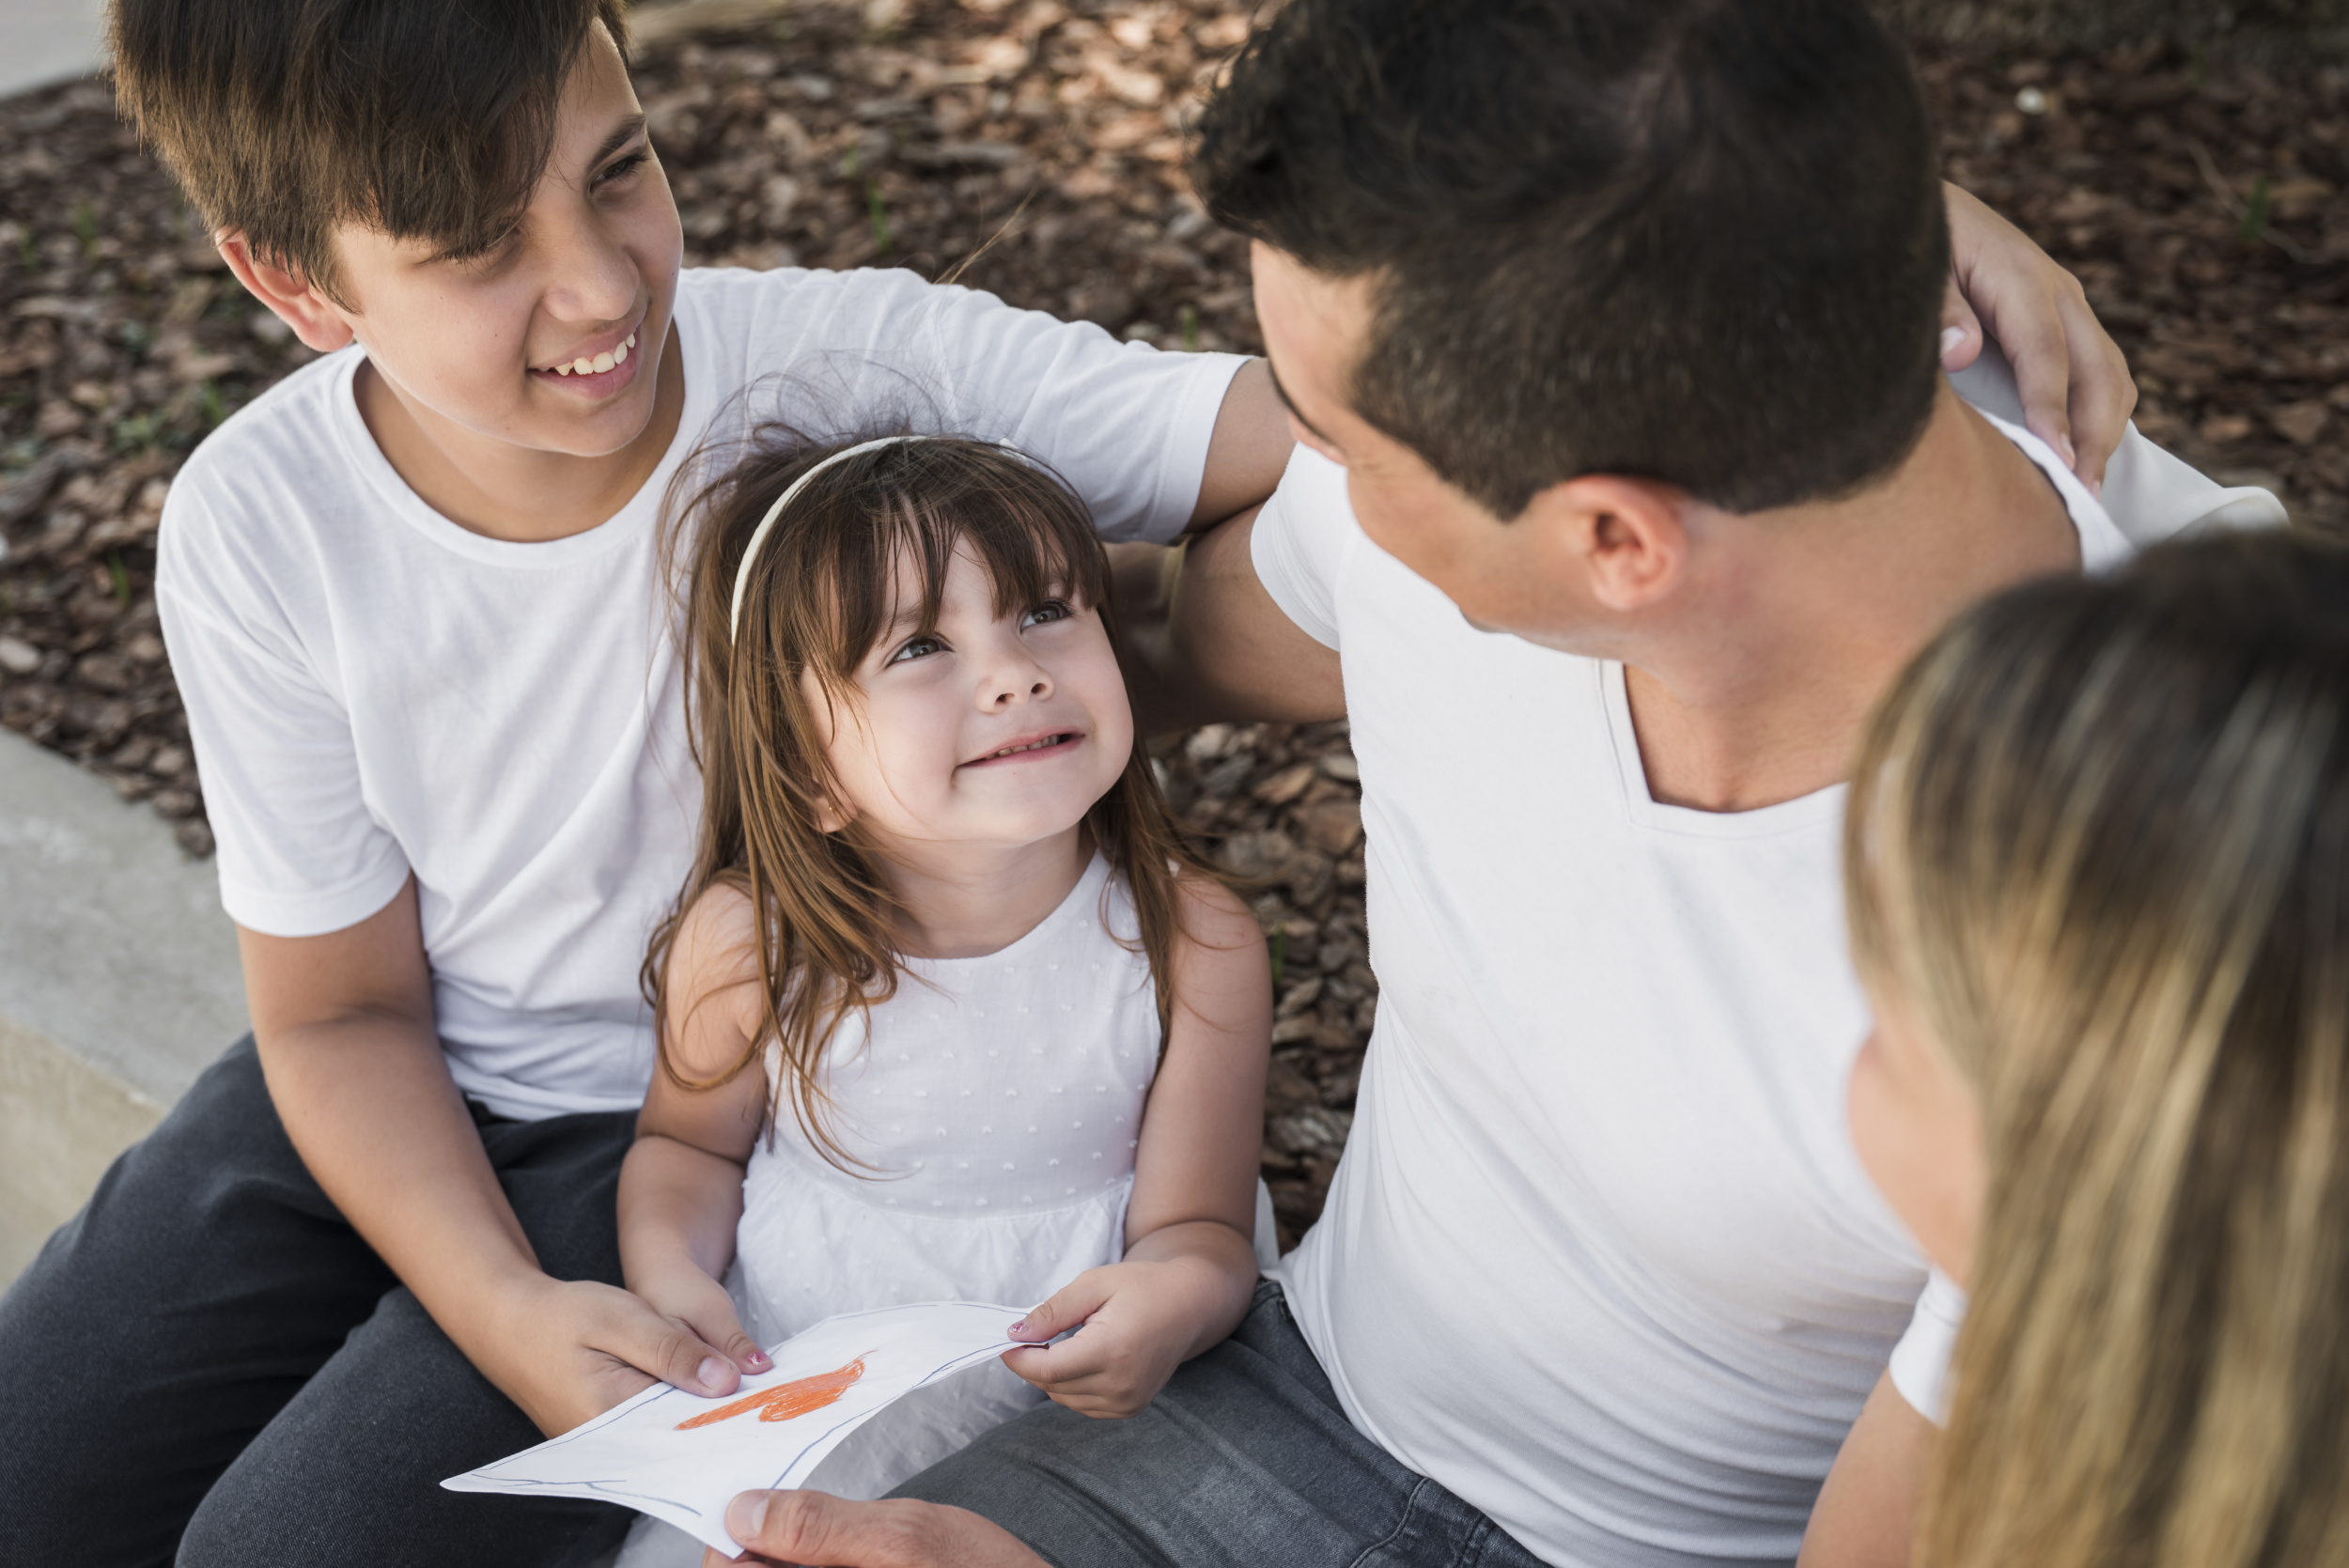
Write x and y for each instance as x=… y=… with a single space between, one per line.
x=1600 y=1256
x=375 y=692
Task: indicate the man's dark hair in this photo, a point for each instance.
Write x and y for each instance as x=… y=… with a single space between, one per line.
x=1698 y=240
x=422 y=118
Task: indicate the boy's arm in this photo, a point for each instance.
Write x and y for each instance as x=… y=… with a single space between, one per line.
x=345 y=1027
x=1205 y=642
x=1249 y=449
x=1866 y=1514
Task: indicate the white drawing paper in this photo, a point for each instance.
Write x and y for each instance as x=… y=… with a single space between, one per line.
x=682 y=1457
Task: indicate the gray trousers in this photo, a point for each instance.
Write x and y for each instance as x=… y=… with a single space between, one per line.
x=1243 y=1461
x=207 y=1365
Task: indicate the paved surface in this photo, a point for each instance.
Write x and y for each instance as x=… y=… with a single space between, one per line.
x=118 y=982
x=47 y=40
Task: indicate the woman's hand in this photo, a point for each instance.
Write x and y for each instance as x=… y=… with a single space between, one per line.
x=569 y=1350
x=1140 y=1322
x=2076 y=392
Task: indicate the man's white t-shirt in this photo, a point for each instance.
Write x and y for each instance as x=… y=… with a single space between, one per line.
x=375 y=692
x=1600 y=1256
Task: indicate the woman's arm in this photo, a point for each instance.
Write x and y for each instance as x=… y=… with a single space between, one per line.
x=1867 y=1512
x=682 y=1186
x=1191 y=1266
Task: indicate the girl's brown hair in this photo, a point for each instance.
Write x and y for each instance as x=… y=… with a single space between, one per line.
x=818 y=597
x=2098 y=843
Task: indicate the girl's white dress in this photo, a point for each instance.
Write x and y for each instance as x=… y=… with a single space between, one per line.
x=998 y=1104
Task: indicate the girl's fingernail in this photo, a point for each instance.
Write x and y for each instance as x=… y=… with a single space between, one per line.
x=712 y=1373
x=759 y=1358
x=1951 y=337
x=1019 y=1328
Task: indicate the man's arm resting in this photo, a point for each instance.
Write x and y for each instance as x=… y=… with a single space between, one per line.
x=1205 y=642
x=1866 y=1514
x=345 y=1027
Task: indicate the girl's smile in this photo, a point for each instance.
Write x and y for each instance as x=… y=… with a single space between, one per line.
x=1043 y=747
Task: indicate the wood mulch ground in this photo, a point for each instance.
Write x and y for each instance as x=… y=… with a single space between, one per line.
x=1034 y=147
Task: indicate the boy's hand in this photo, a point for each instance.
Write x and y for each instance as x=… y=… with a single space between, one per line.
x=1139 y=1321
x=577 y=1348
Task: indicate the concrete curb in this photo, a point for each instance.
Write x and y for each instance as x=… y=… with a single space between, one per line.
x=118 y=983
x=43 y=42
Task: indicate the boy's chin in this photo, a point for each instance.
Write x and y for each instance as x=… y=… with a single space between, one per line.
x=585 y=432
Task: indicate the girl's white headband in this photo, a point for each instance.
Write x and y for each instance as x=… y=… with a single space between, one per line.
x=767 y=524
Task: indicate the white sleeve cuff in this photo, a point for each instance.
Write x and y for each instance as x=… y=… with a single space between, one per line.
x=1921 y=1362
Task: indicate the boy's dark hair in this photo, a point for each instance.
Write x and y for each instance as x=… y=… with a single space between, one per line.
x=424 y=118
x=1698 y=240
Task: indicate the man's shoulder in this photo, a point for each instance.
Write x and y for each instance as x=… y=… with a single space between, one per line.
x=2149 y=494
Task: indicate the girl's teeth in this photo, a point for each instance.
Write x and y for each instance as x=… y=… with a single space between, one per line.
x=582 y=366
x=562 y=369
x=619 y=355
x=630 y=343
x=604 y=362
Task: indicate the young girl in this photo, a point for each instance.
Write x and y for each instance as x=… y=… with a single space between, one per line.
x=2098 y=877
x=947 y=1009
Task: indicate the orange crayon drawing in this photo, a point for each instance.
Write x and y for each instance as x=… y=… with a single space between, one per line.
x=785 y=1400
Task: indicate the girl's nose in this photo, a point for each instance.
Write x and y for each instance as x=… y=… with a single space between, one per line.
x=1020 y=677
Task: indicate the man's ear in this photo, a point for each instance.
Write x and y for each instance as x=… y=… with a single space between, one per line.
x=1627 y=535
x=315 y=318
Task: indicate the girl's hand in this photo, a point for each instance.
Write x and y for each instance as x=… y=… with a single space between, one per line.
x=582 y=1348
x=694 y=1302
x=1141 y=1320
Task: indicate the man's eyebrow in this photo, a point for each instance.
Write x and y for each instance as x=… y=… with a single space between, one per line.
x=622 y=133
x=1289 y=403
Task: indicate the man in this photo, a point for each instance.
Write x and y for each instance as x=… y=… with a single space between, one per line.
x=1610 y=325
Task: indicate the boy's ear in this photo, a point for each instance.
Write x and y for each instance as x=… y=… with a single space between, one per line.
x=315 y=318
x=1626 y=535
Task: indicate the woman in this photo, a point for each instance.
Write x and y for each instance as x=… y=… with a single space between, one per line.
x=2098 y=877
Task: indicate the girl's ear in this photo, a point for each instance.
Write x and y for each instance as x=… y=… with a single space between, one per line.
x=829 y=818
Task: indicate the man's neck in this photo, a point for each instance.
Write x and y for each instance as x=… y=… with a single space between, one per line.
x=1755 y=689
x=503 y=491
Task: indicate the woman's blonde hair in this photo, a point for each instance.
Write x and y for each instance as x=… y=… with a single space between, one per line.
x=2098 y=841
x=817 y=599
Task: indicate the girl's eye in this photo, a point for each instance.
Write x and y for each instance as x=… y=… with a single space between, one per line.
x=918 y=647
x=621 y=168
x=1051 y=610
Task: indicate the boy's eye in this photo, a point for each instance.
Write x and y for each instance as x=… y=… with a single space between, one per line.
x=1051 y=610
x=918 y=647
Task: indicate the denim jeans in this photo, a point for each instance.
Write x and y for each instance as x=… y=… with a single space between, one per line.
x=208 y=1364
x=1244 y=1459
